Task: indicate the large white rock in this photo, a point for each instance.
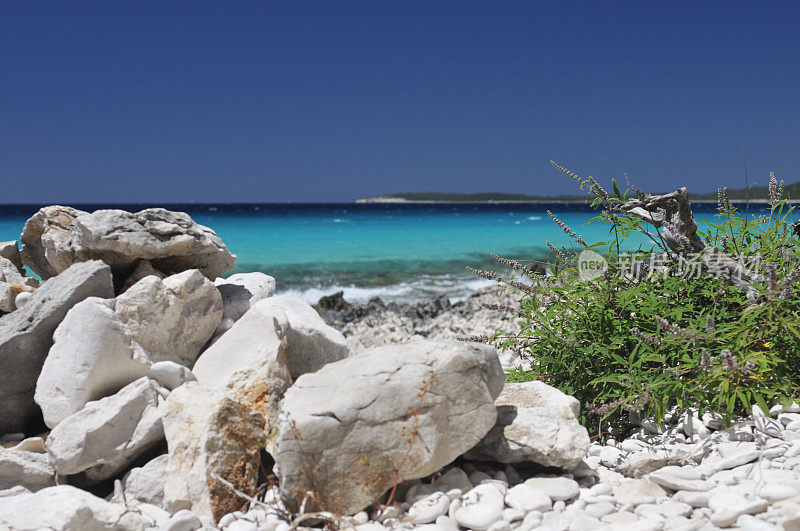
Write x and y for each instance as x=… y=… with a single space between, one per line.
x=146 y=483
x=310 y=342
x=26 y=335
x=249 y=363
x=346 y=429
x=56 y=237
x=30 y=470
x=103 y=345
x=535 y=422
x=65 y=508
x=106 y=436
x=209 y=433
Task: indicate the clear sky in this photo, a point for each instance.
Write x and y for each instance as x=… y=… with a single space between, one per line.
x=330 y=101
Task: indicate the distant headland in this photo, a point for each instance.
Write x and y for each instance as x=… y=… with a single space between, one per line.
x=757 y=194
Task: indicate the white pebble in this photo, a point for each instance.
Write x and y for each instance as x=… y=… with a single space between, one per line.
x=556 y=488
x=774 y=492
x=599 y=510
x=22 y=299
x=242 y=525
x=526 y=498
x=429 y=509
x=478 y=517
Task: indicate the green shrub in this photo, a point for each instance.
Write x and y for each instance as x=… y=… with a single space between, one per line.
x=664 y=326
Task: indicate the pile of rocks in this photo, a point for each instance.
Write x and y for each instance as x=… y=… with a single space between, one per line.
x=375 y=323
x=148 y=393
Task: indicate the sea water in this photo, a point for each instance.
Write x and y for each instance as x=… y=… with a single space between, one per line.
x=399 y=252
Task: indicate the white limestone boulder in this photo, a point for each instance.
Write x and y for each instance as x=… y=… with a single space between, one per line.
x=209 y=433
x=26 y=336
x=537 y=423
x=103 y=345
x=239 y=292
x=65 y=508
x=249 y=363
x=56 y=237
x=106 y=436
x=354 y=421
x=146 y=483
x=311 y=343
x=27 y=469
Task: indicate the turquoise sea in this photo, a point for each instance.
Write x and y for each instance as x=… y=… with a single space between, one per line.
x=399 y=252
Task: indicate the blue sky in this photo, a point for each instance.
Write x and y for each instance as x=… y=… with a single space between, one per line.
x=331 y=101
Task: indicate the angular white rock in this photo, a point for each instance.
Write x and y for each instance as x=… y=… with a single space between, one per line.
x=103 y=345
x=26 y=335
x=209 y=433
x=311 y=343
x=366 y=409
x=56 y=237
x=249 y=363
x=65 y=508
x=106 y=436
x=544 y=435
x=26 y=469
x=146 y=483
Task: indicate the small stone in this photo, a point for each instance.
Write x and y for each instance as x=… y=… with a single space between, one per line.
x=170 y=374
x=601 y=489
x=633 y=445
x=476 y=477
x=638 y=491
x=447 y=523
x=531 y=520
x=556 y=488
x=22 y=299
x=500 y=526
x=478 y=517
x=428 y=509
x=664 y=509
x=695 y=499
x=768 y=426
x=612 y=457
x=242 y=525
x=747 y=522
x=599 y=510
x=512 y=515
x=775 y=492
x=584 y=523
x=183 y=520
x=621 y=517
x=526 y=498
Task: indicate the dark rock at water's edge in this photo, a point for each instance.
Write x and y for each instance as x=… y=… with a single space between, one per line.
x=337 y=312
x=332 y=303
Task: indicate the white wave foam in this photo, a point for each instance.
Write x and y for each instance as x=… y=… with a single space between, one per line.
x=426 y=287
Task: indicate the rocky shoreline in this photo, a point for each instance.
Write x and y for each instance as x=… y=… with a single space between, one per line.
x=140 y=390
